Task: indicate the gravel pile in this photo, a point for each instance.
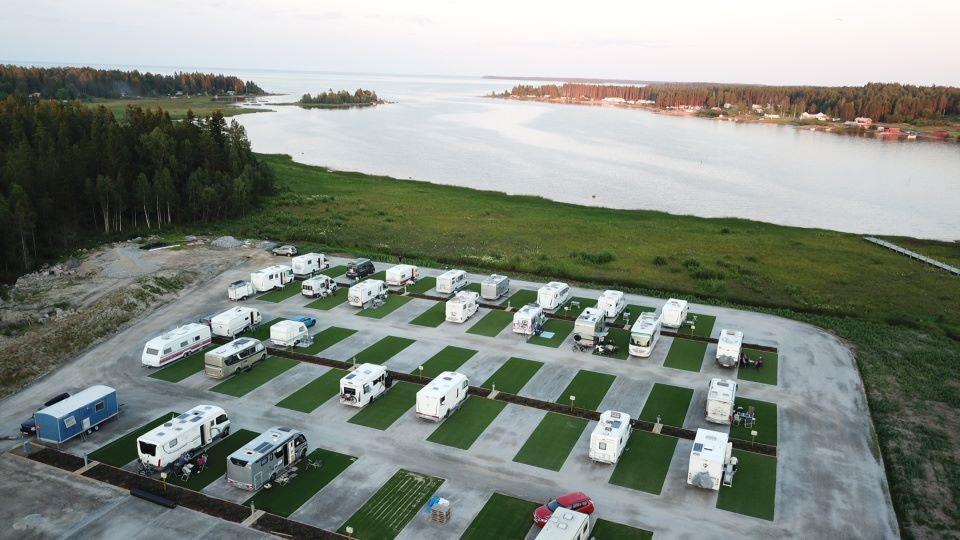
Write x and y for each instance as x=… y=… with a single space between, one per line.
x=226 y=242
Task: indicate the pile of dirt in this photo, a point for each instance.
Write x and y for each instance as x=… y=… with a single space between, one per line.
x=227 y=242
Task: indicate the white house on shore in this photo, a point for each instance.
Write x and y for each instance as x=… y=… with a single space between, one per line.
x=818 y=116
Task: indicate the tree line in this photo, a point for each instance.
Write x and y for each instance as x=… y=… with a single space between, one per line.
x=70 y=172
x=86 y=82
x=360 y=96
x=885 y=102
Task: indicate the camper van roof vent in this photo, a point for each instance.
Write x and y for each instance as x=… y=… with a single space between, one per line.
x=350 y=376
x=168 y=424
x=178 y=429
x=263 y=447
x=448 y=378
x=286 y=429
x=616 y=424
x=615 y=414
x=184 y=415
x=160 y=434
x=195 y=419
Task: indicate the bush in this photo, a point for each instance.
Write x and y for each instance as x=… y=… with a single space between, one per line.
x=659 y=260
x=604 y=257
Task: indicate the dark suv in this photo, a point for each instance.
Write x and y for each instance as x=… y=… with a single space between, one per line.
x=29 y=426
x=359 y=268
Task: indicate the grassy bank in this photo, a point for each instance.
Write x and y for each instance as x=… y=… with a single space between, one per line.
x=177 y=107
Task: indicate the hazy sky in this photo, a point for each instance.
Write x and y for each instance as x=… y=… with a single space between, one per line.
x=817 y=42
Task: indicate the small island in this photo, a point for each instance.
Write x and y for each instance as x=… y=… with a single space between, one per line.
x=339 y=100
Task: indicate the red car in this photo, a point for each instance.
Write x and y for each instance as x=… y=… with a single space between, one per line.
x=577 y=501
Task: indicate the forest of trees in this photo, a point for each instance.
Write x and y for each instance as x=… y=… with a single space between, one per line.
x=86 y=82
x=881 y=101
x=343 y=97
x=70 y=172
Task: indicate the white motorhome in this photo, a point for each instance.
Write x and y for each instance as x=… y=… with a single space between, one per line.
x=462 y=306
x=271 y=277
x=175 y=344
x=240 y=290
x=318 y=286
x=529 y=320
x=674 y=313
x=264 y=458
x=442 y=396
x=644 y=335
x=308 y=264
x=610 y=437
x=728 y=347
x=364 y=384
x=238 y=355
x=451 y=281
x=553 y=295
x=402 y=274
x=365 y=292
x=612 y=303
x=590 y=327
x=566 y=524
x=710 y=457
x=289 y=334
x=182 y=437
x=494 y=286
x=720 y=397
x=234 y=321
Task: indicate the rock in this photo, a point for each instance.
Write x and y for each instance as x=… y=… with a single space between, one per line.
x=190 y=238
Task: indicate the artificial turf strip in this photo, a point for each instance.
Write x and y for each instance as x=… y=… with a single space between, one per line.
x=326 y=339
x=522 y=298
x=387 y=408
x=381 y=275
x=575 y=306
x=644 y=463
x=422 y=285
x=338 y=297
x=262 y=332
x=433 y=317
x=315 y=393
x=754 y=487
x=513 y=375
x=766 y=375
x=123 y=450
x=466 y=425
x=501 y=517
x=686 y=354
x=216 y=460
x=589 y=387
x=448 y=359
x=608 y=530
x=240 y=384
x=279 y=295
x=393 y=302
x=560 y=328
x=389 y=510
x=335 y=271
x=698 y=325
x=634 y=310
x=183 y=368
x=382 y=350
x=492 y=323
x=669 y=402
x=285 y=500
x=620 y=338
x=765 y=426
x=550 y=444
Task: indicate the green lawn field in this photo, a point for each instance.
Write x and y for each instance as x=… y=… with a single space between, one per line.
x=382 y=413
x=634 y=310
x=422 y=285
x=698 y=324
x=502 y=517
x=575 y=306
x=327 y=338
x=513 y=375
x=644 y=463
x=466 y=425
x=492 y=323
x=433 y=317
x=522 y=298
x=279 y=295
x=335 y=271
x=183 y=368
x=767 y=374
x=326 y=304
x=448 y=359
x=589 y=387
x=241 y=384
x=392 y=304
x=382 y=350
x=123 y=449
x=608 y=530
x=754 y=487
x=262 y=332
x=315 y=393
x=284 y=500
x=390 y=509
x=176 y=107
x=550 y=444
x=669 y=402
x=686 y=354
x=620 y=338
x=766 y=425
x=216 y=460
x=560 y=328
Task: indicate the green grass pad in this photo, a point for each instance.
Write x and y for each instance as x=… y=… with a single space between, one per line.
x=383 y=412
x=475 y=287
x=393 y=506
x=216 y=460
x=550 y=444
x=608 y=530
x=381 y=275
x=589 y=387
x=315 y=393
x=187 y=366
x=766 y=425
x=464 y=427
x=522 y=298
x=560 y=328
x=123 y=450
x=513 y=375
x=620 y=338
x=492 y=323
x=279 y=295
x=284 y=500
x=502 y=517
x=240 y=384
x=262 y=332
x=754 y=487
x=382 y=350
x=576 y=304
x=432 y=317
x=449 y=359
x=422 y=285
x=393 y=302
x=644 y=463
x=335 y=271
x=326 y=339
x=766 y=375
x=338 y=297
x=703 y=323
x=670 y=402
x=686 y=354
x=634 y=310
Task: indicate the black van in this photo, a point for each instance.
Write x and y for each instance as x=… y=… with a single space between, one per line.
x=359 y=268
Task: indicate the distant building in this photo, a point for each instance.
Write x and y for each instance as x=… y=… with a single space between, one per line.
x=940 y=134
x=863 y=121
x=819 y=116
x=757 y=108
x=614 y=100
x=727 y=105
x=774 y=116
x=646 y=101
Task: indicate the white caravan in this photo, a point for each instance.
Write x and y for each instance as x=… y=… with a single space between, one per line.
x=720 y=398
x=590 y=327
x=565 y=524
x=728 y=347
x=442 y=396
x=610 y=437
x=365 y=292
x=364 y=384
x=271 y=277
x=175 y=344
x=553 y=295
x=710 y=458
x=494 y=287
x=308 y=264
x=184 y=436
x=234 y=321
x=289 y=334
x=402 y=274
x=674 y=313
x=462 y=306
x=240 y=290
x=320 y=285
x=612 y=303
x=644 y=334
x=451 y=281
x=529 y=320
x=238 y=355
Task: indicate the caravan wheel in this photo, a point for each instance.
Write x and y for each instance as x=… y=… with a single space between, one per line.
x=96 y=427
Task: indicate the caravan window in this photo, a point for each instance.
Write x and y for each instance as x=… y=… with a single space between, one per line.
x=196 y=338
x=278 y=453
x=167 y=350
x=603 y=446
x=148 y=449
x=100 y=406
x=153 y=352
x=466 y=384
x=444 y=398
x=69 y=421
x=238 y=462
x=221 y=419
x=264 y=460
x=184 y=344
x=301 y=439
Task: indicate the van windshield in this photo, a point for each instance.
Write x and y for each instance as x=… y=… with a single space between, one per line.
x=148 y=449
x=152 y=352
x=349 y=391
x=640 y=340
x=238 y=462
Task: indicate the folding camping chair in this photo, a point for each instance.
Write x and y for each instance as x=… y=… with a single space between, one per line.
x=750 y=419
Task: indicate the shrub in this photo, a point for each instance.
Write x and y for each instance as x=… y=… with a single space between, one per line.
x=660 y=260
x=604 y=257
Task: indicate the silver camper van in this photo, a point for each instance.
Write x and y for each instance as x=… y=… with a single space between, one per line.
x=266 y=457
x=238 y=355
